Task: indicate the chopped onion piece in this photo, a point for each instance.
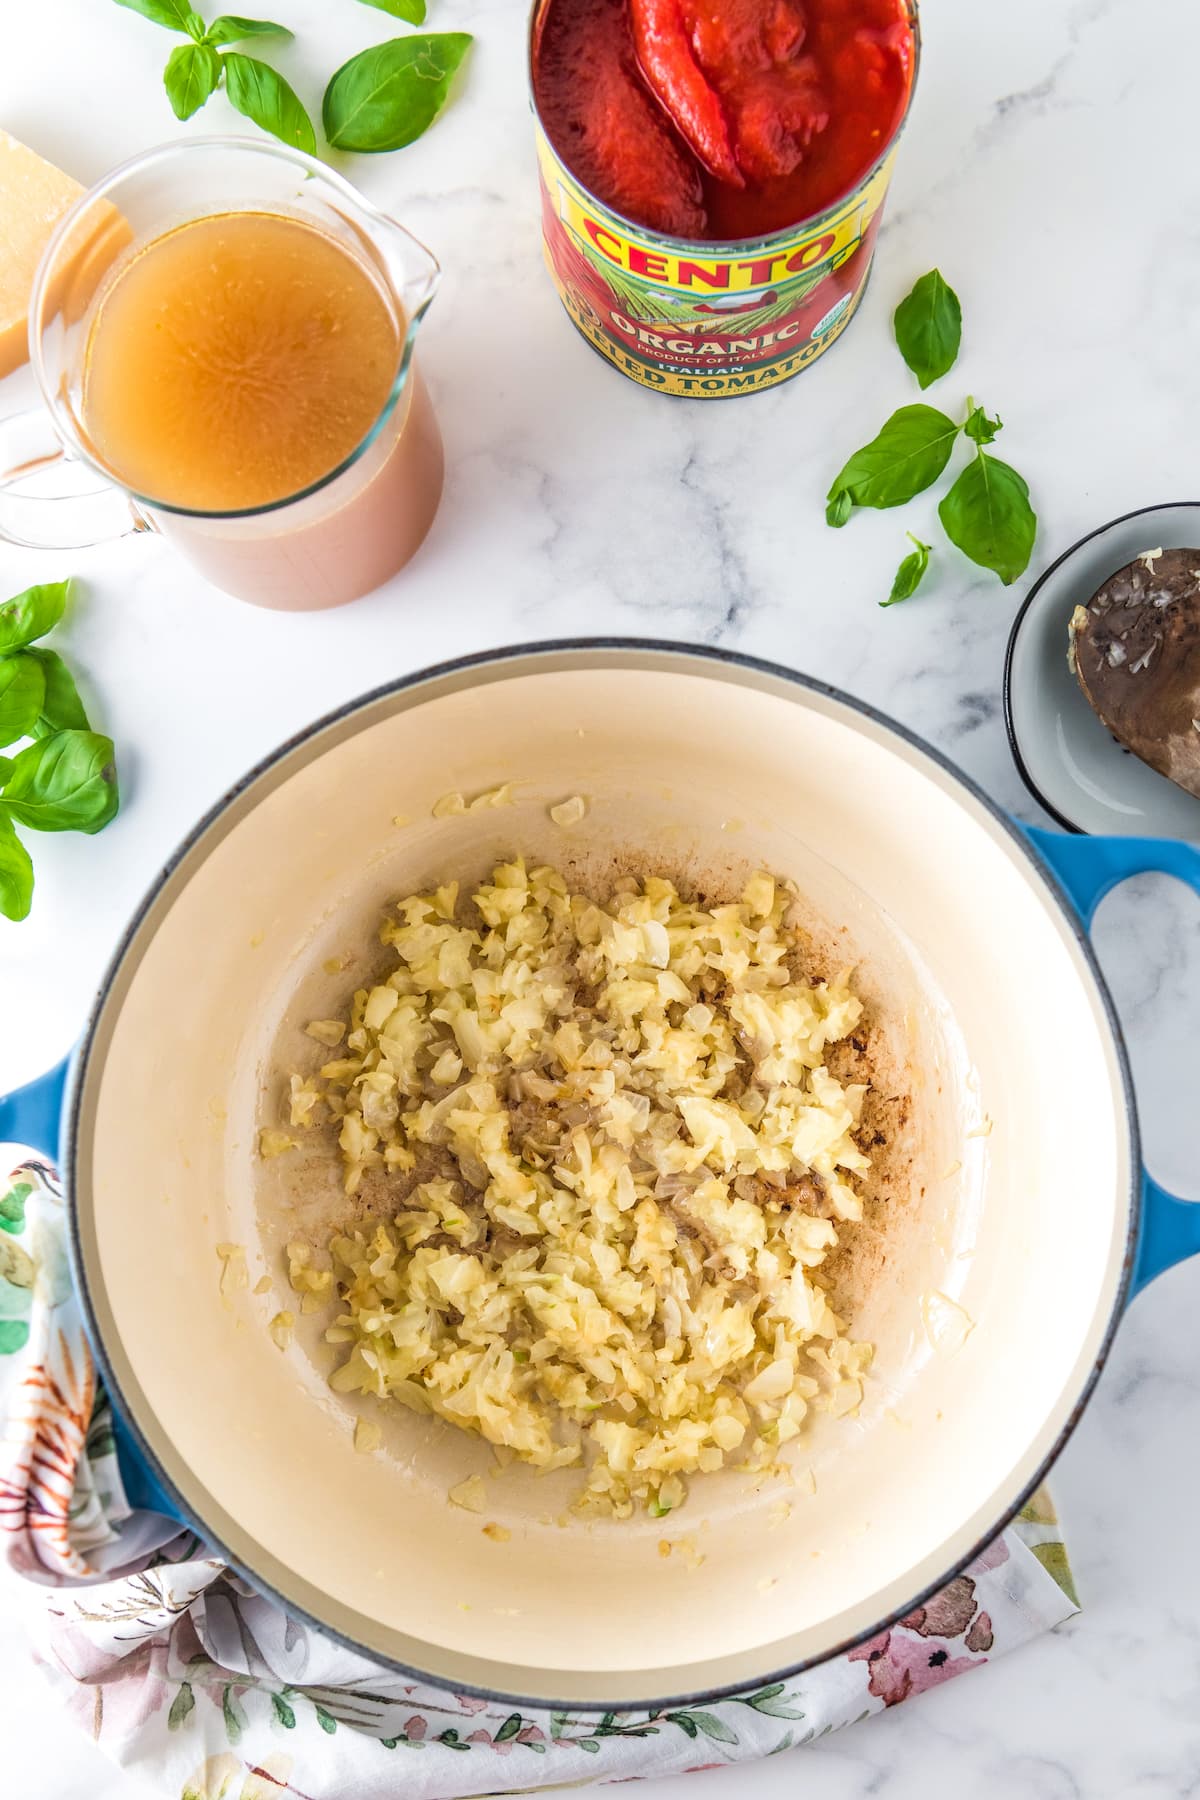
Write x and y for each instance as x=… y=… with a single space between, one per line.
x=234 y=1273
x=281 y=1328
x=274 y=1143
x=470 y=1494
x=569 y=812
x=947 y=1324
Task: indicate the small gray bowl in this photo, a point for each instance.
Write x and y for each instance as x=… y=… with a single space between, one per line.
x=1068 y=760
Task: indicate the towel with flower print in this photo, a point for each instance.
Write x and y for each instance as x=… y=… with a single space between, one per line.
x=205 y=1690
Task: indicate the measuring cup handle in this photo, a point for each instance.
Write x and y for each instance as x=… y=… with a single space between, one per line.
x=50 y=501
x=1088 y=868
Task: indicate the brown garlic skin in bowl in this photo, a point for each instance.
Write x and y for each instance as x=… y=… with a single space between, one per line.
x=1135 y=649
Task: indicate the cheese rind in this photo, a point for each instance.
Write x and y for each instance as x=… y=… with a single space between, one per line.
x=33 y=197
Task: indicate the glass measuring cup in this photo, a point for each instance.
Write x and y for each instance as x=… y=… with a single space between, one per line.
x=335 y=539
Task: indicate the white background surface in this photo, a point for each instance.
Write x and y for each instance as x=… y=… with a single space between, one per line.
x=1050 y=170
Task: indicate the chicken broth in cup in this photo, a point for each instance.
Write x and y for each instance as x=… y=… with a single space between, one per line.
x=235 y=361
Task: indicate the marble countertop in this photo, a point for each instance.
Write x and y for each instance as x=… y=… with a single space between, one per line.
x=1046 y=171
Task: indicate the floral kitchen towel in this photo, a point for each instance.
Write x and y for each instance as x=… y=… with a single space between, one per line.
x=207 y=1691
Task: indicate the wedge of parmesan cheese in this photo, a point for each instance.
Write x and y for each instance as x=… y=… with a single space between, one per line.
x=33 y=197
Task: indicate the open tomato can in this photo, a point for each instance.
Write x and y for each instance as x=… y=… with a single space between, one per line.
x=702 y=318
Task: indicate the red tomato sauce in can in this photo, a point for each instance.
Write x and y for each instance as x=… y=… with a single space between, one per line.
x=731 y=128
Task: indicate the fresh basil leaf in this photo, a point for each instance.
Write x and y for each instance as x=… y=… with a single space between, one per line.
x=928 y=326
x=193 y=72
x=979 y=428
x=262 y=94
x=230 y=29
x=412 y=10
x=32 y=614
x=6 y=763
x=908 y=455
x=67 y=782
x=16 y=873
x=62 y=709
x=22 y=690
x=385 y=97
x=839 y=508
x=988 y=515
x=911 y=572
x=175 y=15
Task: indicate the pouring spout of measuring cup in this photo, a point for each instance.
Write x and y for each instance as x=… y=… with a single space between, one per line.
x=412 y=272
x=1088 y=868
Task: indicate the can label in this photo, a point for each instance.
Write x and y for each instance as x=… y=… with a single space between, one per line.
x=707 y=320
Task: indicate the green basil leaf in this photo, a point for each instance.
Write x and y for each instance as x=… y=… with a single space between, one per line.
x=412 y=10
x=6 y=763
x=193 y=72
x=32 y=614
x=385 y=97
x=261 y=94
x=988 y=515
x=175 y=15
x=911 y=572
x=928 y=326
x=16 y=873
x=908 y=455
x=979 y=428
x=67 y=782
x=22 y=690
x=62 y=709
x=839 y=508
x=230 y=29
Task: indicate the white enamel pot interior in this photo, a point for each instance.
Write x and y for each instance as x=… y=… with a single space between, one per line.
x=703 y=766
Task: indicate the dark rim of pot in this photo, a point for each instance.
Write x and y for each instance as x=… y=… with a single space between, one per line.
x=1010 y=727
x=762 y=239
x=584 y=646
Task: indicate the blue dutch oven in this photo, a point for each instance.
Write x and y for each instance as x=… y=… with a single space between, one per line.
x=699 y=760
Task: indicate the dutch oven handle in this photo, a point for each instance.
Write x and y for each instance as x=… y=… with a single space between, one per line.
x=1087 y=869
x=32 y=1116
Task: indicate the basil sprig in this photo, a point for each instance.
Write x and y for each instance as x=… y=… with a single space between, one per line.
x=195 y=70
x=62 y=709
x=65 y=778
x=987 y=512
x=230 y=29
x=907 y=456
x=261 y=93
x=32 y=614
x=911 y=572
x=413 y=11
x=387 y=96
x=988 y=515
x=192 y=74
x=16 y=873
x=928 y=327
x=381 y=99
